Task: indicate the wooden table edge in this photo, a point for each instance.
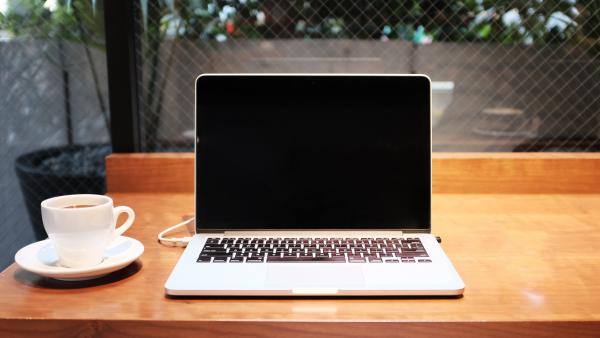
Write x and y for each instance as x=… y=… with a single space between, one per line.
x=282 y=328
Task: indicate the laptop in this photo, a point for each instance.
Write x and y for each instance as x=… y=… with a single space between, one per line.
x=313 y=185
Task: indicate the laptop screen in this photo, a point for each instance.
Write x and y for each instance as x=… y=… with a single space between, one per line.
x=313 y=152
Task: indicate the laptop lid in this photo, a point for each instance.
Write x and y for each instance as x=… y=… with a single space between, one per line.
x=321 y=152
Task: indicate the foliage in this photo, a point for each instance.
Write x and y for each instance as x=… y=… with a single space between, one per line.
x=505 y=21
x=36 y=19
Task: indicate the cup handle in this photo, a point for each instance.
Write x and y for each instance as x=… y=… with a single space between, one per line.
x=130 y=218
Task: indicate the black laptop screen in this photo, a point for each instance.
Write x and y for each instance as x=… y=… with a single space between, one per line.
x=313 y=152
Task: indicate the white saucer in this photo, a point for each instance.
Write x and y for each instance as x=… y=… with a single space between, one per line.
x=41 y=258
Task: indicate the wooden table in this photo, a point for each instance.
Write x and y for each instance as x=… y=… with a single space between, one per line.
x=530 y=262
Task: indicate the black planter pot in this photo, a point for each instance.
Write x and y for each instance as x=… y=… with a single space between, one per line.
x=59 y=171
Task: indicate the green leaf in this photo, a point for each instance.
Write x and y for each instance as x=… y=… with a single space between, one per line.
x=485 y=31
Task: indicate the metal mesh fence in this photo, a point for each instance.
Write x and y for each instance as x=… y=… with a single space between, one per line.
x=508 y=75
x=53 y=111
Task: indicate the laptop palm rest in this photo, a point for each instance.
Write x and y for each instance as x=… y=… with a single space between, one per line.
x=316 y=275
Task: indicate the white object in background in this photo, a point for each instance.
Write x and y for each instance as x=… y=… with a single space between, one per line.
x=41 y=258
x=441 y=97
x=189 y=134
x=80 y=235
x=505 y=122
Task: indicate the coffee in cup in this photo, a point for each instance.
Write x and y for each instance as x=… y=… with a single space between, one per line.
x=78 y=206
x=82 y=226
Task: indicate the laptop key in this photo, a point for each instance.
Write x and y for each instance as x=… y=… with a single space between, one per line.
x=220 y=259
x=305 y=259
x=254 y=260
x=413 y=254
x=356 y=259
x=204 y=259
x=214 y=251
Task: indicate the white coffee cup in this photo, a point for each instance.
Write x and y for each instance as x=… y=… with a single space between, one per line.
x=82 y=226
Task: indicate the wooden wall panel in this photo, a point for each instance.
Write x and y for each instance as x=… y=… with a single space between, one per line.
x=451 y=172
x=150 y=172
x=516 y=173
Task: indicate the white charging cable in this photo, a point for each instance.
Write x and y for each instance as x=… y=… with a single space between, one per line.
x=175 y=241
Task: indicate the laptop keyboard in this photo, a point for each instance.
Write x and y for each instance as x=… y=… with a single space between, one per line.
x=313 y=250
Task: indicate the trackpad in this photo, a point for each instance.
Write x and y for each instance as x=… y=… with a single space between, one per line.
x=316 y=275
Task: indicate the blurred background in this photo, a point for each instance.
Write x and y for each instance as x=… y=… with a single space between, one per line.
x=509 y=76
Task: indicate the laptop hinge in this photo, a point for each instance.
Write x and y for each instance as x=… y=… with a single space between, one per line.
x=313 y=233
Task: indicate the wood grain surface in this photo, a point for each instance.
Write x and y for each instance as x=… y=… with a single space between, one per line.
x=516 y=173
x=150 y=172
x=485 y=173
x=530 y=264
